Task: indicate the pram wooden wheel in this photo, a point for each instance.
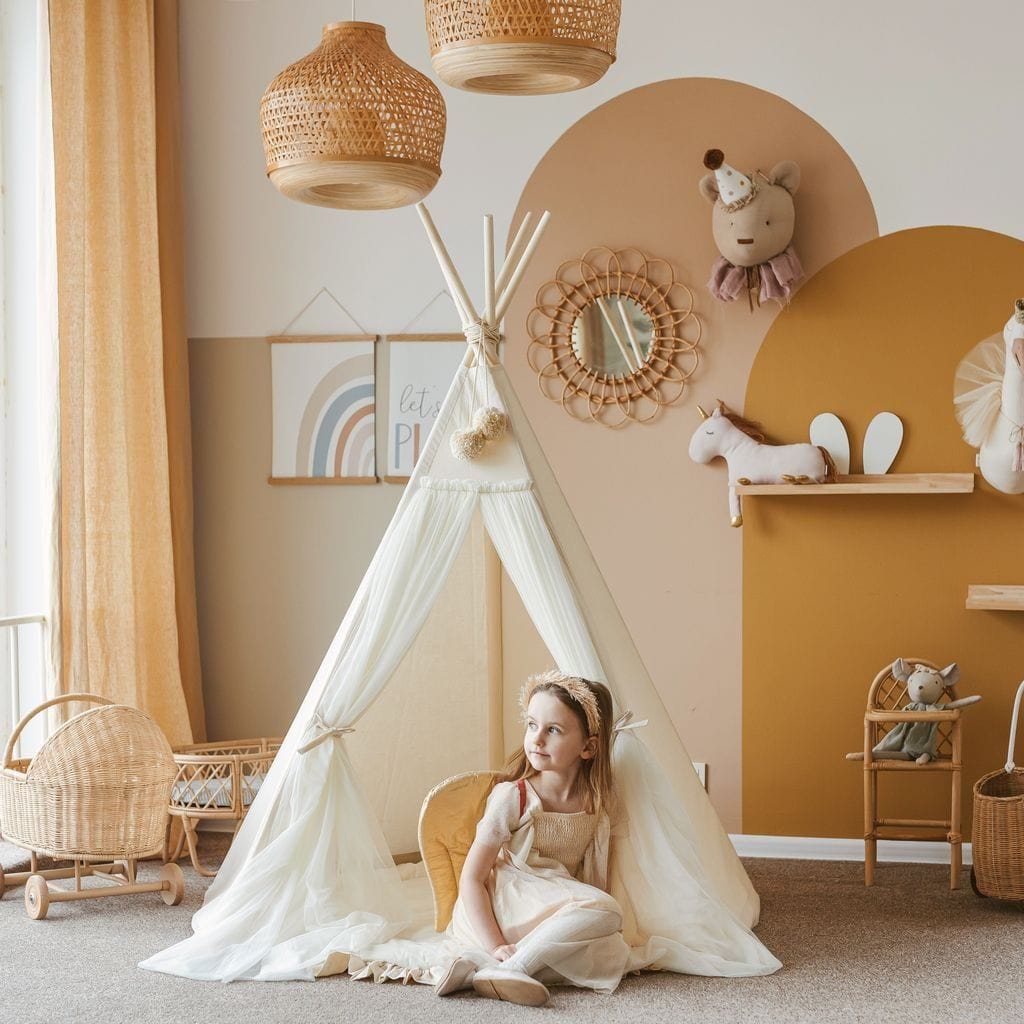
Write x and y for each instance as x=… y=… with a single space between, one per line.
x=2 y=884
x=37 y=897
x=174 y=884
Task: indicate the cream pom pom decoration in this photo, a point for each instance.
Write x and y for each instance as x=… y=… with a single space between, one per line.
x=491 y=422
x=467 y=444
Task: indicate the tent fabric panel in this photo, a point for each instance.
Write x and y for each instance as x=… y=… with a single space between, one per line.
x=435 y=718
x=633 y=684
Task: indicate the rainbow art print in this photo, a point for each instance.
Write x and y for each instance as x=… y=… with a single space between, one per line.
x=323 y=408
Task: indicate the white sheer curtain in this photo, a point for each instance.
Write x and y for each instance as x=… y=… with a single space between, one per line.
x=309 y=880
x=310 y=872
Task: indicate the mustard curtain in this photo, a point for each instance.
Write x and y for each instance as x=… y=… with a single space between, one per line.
x=128 y=616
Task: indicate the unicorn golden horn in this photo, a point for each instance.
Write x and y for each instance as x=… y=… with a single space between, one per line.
x=703 y=414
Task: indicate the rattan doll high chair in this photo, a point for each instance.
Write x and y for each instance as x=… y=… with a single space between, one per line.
x=886 y=698
x=447 y=828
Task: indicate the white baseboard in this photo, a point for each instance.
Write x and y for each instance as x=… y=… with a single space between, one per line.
x=812 y=848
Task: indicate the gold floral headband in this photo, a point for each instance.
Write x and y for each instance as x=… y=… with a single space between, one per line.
x=574 y=686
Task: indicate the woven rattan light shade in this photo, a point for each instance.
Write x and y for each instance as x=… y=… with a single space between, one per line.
x=351 y=126
x=522 y=47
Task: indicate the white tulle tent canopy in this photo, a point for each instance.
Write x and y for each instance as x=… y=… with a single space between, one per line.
x=309 y=886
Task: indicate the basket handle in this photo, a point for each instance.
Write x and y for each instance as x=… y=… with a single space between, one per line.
x=20 y=727
x=1010 y=766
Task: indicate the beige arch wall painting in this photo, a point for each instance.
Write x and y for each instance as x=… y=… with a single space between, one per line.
x=627 y=174
x=323 y=410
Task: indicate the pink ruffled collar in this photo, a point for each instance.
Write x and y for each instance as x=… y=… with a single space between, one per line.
x=777 y=278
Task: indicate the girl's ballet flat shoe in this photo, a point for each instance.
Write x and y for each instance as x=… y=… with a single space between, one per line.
x=510 y=986
x=456 y=978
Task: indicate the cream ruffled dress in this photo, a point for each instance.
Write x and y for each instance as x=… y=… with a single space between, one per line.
x=551 y=862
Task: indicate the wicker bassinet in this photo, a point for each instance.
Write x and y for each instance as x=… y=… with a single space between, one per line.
x=997 y=841
x=96 y=791
x=217 y=781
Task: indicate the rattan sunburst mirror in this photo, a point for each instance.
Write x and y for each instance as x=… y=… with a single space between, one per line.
x=614 y=337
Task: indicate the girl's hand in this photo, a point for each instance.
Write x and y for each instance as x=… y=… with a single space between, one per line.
x=503 y=952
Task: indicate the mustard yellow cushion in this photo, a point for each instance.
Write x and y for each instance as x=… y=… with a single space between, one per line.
x=447 y=828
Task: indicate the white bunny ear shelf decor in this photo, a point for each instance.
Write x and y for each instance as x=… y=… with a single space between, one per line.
x=882 y=441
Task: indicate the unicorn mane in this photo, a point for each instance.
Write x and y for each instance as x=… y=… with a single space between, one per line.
x=749 y=427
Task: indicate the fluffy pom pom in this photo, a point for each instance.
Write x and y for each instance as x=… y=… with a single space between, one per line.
x=467 y=444
x=491 y=422
x=713 y=159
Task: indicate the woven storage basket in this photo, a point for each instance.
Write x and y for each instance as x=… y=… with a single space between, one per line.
x=351 y=126
x=997 y=842
x=97 y=789
x=522 y=47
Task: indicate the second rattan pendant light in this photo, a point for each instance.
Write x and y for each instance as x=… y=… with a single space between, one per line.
x=522 y=47
x=351 y=126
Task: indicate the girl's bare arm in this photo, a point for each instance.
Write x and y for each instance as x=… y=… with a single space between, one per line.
x=475 y=897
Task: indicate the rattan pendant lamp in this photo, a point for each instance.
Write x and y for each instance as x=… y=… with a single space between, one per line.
x=522 y=47
x=351 y=126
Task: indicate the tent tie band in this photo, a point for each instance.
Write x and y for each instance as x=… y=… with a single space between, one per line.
x=484 y=338
x=625 y=722
x=325 y=732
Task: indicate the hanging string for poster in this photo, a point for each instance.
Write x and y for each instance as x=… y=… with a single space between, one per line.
x=300 y=455
x=324 y=290
x=443 y=292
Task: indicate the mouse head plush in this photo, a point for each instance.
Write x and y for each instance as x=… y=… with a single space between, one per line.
x=753 y=223
x=925 y=685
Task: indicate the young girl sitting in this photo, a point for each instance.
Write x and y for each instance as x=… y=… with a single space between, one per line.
x=532 y=894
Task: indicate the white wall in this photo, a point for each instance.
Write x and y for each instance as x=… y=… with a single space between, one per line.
x=923 y=94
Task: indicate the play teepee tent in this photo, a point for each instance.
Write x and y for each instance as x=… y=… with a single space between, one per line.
x=309 y=886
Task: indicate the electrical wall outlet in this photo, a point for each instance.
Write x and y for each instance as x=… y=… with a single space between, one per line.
x=701 y=768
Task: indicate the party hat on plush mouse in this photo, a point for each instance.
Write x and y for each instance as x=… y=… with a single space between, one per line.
x=735 y=189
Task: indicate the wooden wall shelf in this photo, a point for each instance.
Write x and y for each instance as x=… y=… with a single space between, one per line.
x=888 y=483
x=995 y=597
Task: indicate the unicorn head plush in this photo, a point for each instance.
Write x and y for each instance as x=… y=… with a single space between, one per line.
x=753 y=222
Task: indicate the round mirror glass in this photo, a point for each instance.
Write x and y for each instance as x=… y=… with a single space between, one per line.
x=613 y=335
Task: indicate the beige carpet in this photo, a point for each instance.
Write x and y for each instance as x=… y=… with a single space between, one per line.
x=906 y=950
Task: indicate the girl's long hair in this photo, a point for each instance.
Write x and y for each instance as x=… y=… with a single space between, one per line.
x=594 y=781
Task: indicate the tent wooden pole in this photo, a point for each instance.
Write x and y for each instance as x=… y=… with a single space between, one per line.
x=515 y=250
x=489 y=268
x=510 y=288
x=451 y=275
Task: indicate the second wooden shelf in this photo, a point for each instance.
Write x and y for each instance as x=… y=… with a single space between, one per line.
x=995 y=597
x=859 y=483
